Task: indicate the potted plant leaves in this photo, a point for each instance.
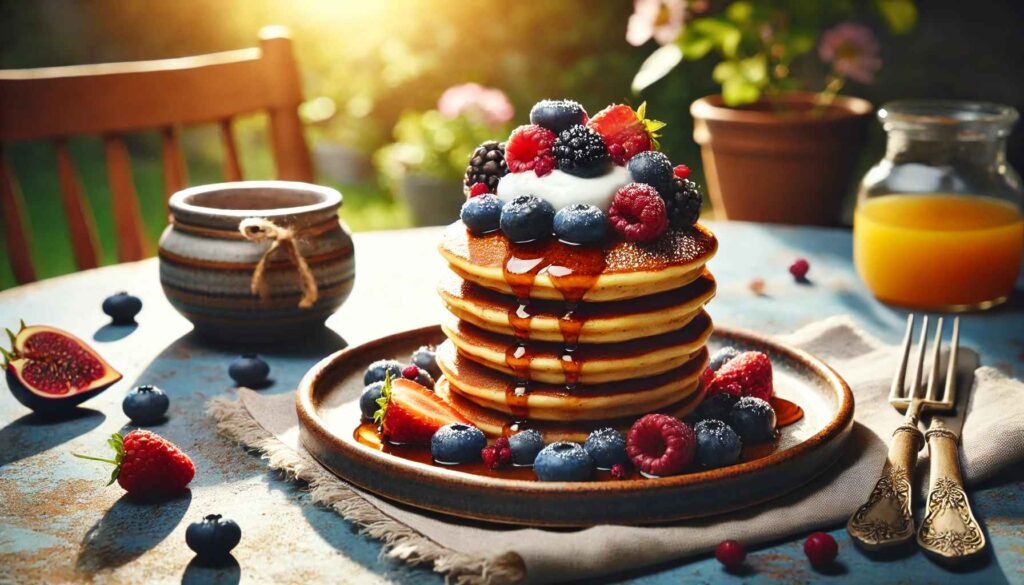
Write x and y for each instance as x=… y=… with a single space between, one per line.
x=772 y=150
x=426 y=163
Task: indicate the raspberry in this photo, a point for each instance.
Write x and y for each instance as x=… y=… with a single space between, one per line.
x=821 y=549
x=730 y=553
x=799 y=269
x=410 y=372
x=707 y=378
x=660 y=445
x=478 y=189
x=750 y=373
x=618 y=471
x=497 y=455
x=637 y=213
x=683 y=172
x=529 y=149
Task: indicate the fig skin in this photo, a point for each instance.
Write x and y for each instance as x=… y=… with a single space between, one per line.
x=56 y=407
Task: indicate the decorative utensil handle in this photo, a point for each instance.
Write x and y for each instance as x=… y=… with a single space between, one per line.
x=885 y=519
x=949 y=530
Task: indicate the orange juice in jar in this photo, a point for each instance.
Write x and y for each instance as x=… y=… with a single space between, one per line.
x=938 y=251
x=939 y=223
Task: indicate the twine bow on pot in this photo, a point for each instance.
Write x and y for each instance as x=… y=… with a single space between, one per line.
x=257 y=230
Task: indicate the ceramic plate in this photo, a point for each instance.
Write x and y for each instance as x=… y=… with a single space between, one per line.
x=328 y=409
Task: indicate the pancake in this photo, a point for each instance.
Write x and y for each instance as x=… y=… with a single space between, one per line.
x=496 y=424
x=558 y=271
x=588 y=322
x=549 y=362
x=554 y=402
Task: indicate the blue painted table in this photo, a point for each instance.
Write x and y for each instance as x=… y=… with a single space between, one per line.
x=58 y=523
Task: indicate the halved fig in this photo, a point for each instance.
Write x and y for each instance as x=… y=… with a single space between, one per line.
x=51 y=371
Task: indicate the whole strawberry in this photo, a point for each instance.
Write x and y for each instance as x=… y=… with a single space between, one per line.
x=748 y=374
x=626 y=132
x=147 y=465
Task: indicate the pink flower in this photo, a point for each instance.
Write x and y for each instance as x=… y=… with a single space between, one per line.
x=488 y=104
x=852 y=50
x=661 y=20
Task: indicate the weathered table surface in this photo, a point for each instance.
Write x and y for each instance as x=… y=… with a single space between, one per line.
x=58 y=523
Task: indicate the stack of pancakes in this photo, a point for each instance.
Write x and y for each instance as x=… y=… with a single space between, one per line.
x=566 y=339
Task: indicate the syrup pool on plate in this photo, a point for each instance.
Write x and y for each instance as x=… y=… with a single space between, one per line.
x=938 y=251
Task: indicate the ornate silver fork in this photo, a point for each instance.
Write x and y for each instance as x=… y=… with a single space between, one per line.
x=885 y=519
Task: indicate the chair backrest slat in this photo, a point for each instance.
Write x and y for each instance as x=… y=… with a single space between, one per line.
x=291 y=155
x=79 y=216
x=232 y=167
x=175 y=171
x=117 y=98
x=131 y=243
x=12 y=206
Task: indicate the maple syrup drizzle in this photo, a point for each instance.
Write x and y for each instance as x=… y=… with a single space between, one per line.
x=573 y=271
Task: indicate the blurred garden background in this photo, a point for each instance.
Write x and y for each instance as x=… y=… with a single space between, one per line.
x=369 y=66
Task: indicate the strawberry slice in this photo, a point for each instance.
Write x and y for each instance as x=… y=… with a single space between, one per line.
x=626 y=132
x=410 y=413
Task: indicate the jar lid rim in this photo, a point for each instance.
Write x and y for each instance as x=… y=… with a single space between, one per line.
x=949 y=113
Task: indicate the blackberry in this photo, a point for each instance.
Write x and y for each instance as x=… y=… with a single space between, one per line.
x=683 y=203
x=581 y=151
x=487 y=165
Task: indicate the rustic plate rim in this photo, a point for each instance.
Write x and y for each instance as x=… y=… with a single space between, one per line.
x=308 y=417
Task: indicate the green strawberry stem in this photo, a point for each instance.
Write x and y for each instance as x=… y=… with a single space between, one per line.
x=382 y=402
x=116 y=442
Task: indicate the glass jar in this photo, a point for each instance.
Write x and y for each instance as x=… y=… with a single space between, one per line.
x=938 y=224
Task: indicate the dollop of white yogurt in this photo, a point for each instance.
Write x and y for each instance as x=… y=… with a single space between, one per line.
x=561 y=189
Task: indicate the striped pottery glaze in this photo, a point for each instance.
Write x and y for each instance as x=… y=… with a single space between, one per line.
x=206 y=264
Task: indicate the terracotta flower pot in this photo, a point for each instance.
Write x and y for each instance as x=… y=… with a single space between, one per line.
x=780 y=162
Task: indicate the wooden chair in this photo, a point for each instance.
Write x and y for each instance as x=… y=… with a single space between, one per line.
x=116 y=98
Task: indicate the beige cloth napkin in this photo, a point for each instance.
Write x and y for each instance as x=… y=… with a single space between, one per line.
x=993 y=438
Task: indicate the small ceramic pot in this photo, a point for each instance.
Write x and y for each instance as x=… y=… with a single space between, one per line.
x=207 y=263
x=780 y=162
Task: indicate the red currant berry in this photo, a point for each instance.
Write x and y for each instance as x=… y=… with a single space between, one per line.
x=410 y=372
x=618 y=471
x=478 y=189
x=821 y=549
x=799 y=268
x=681 y=172
x=730 y=553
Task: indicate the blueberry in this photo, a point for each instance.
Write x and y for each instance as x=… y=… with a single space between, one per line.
x=654 y=168
x=249 y=370
x=717 y=444
x=563 y=461
x=377 y=371
x=527 y=218
x=424 y=379
x=557 y=115
x=722 y=356
x=481 y=214
x=457 y=443
x=525 y=445
x=214 y=537
x=145 y=405
x=425 y=358
x=716 y=406
x=753 y=419
x=122 y=308
x=581 y=224
x=368 y=399
x=606 y=447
